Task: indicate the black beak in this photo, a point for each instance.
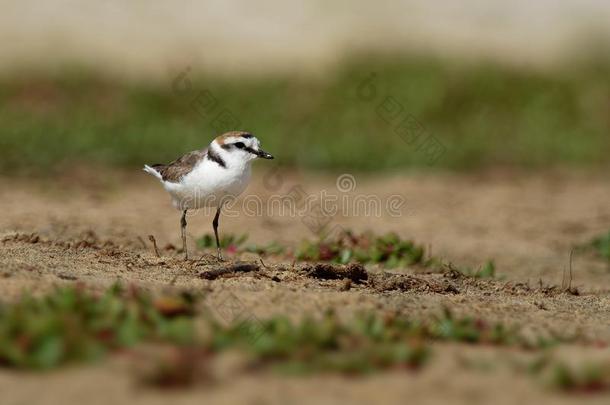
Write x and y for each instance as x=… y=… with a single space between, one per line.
x=261 y=153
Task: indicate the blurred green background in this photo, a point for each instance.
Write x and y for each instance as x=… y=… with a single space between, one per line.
x=482 y=112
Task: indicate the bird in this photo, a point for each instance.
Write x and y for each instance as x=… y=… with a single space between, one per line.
x=209 y=176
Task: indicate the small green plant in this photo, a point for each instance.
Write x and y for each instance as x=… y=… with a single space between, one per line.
x=389 y=250
x=236 y=244
x=271 y=248
x=472 y=330
x=589 y=377
x=488 y=270
x=228 y=241
x=601 y=245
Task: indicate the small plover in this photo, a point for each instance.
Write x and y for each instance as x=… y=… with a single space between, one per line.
x=207 y=177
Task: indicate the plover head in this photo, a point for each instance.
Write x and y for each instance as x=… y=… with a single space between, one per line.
x=238 y=147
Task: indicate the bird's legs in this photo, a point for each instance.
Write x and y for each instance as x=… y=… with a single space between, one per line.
x=183 y=231
x=215 y=225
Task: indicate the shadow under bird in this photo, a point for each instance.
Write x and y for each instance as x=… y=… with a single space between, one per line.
x=208 y=177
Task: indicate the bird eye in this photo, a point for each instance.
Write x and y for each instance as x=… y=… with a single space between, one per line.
x=239 y=145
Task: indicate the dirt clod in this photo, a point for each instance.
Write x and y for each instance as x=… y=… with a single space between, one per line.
x=354 y=272
x=68 y=277
x=238 y=267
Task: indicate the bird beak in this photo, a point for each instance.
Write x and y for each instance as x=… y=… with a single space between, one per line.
x=261 y=153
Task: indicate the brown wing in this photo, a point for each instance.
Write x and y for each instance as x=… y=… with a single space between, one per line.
x=180 y=167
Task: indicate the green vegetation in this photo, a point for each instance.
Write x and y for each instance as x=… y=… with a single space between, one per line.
x=598 y=247
x=587 y=377
x=601 y=245
x=482 y=114
x=73 y=324
x=488 y=270
x=389 y=250
x=366 y=343
x=236 y=243
x=227 y=241
x=366 y=248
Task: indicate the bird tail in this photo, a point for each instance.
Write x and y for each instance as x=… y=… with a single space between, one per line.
x=153 y=171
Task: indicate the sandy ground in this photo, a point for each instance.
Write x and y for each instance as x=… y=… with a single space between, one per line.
x=95 y=230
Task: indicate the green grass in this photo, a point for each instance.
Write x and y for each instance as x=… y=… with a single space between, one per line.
x=483 y=115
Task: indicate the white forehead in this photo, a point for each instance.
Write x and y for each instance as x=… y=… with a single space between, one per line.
x=249 y=141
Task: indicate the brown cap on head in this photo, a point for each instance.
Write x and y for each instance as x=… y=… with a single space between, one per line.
x=232 y=134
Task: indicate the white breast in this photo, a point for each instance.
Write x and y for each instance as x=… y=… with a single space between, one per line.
x=208 y=183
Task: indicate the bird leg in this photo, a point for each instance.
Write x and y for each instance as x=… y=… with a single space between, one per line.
x=183 y=231
x=215 y=225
